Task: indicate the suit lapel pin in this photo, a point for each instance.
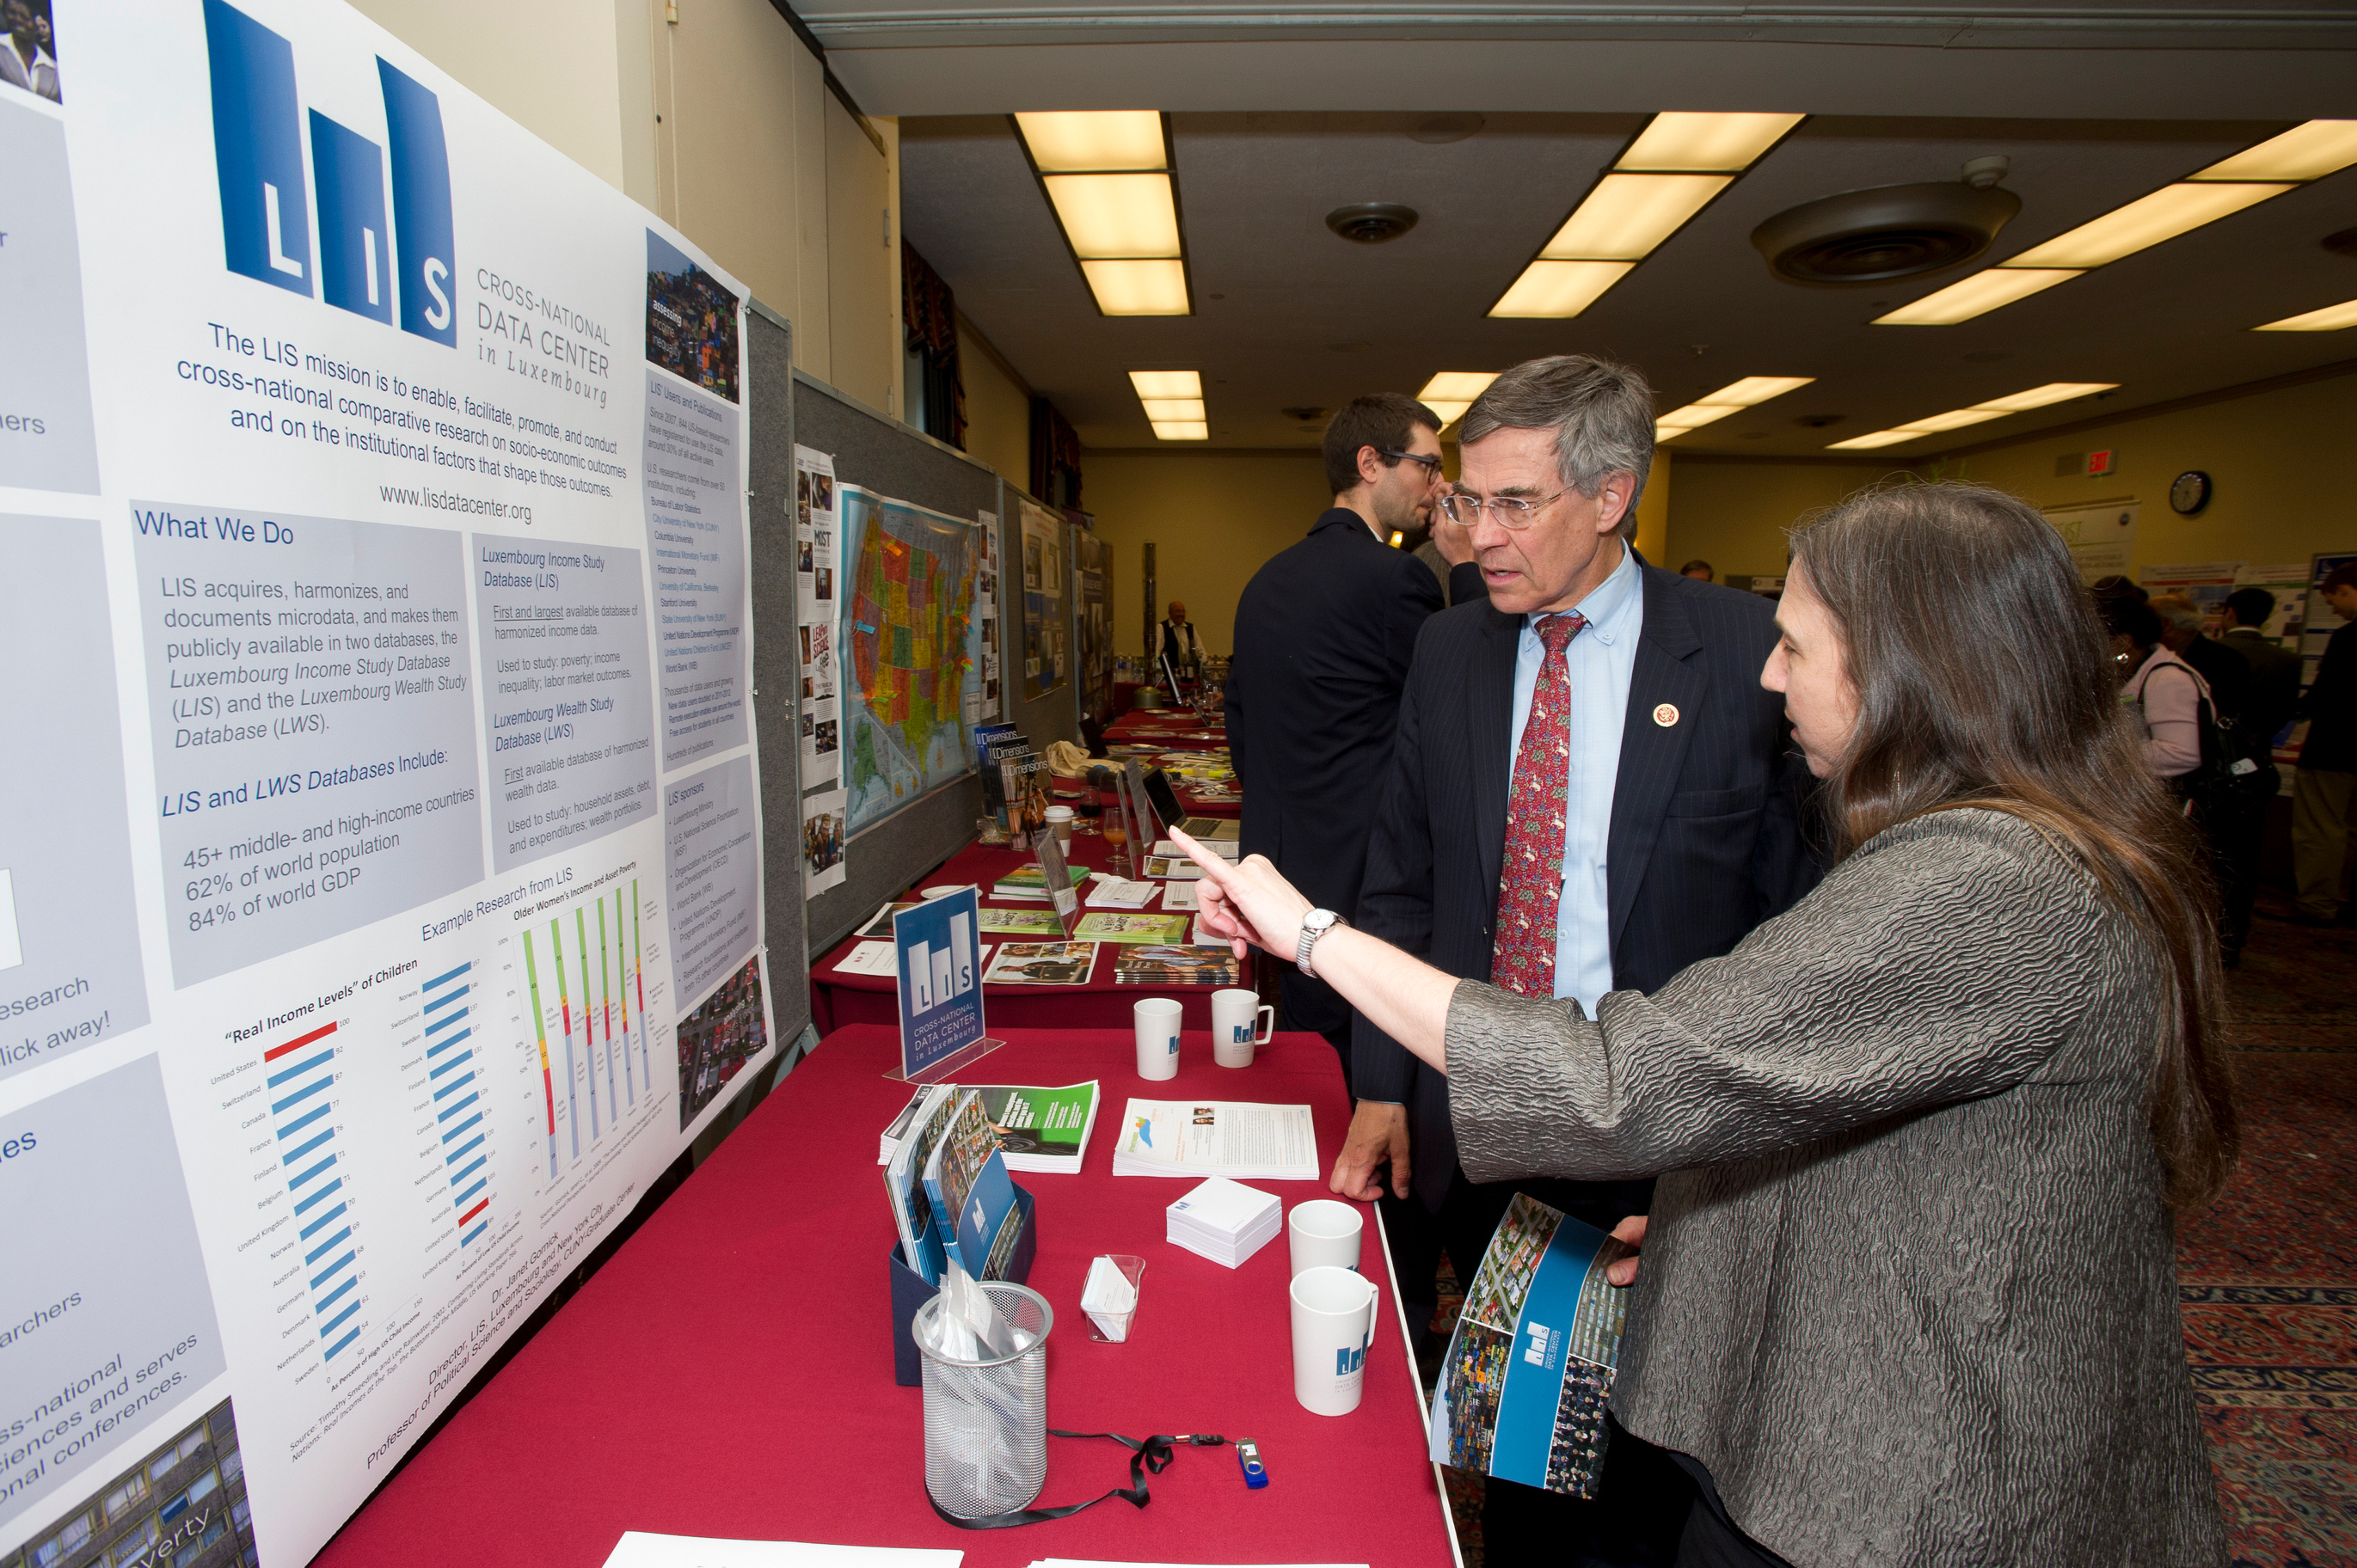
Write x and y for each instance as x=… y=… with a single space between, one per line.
x=1666 y=715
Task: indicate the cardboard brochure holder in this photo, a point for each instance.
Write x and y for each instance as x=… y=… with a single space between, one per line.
x=910 y=1292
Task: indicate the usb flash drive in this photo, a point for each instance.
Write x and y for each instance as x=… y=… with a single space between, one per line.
x=1248 y=1455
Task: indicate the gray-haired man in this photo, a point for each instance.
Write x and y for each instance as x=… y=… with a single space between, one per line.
x=1590 y=791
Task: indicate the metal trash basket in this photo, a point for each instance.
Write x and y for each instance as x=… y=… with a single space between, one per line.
x=987 y=1422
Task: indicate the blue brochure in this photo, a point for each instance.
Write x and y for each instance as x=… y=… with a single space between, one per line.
x=974 y=1201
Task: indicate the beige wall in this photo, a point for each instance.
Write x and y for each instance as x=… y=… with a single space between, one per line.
x=2273 y=457
x=1213 y=515
x=721 y=123
x=997 y=409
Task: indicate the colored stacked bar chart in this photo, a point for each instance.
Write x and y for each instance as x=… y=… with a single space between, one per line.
x=300 y=1077
x=588 y=990
x=458 y=1107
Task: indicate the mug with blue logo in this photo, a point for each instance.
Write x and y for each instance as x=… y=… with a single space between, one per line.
x=1333 y=1330
x=1238 y=1023
x=1157 y=1038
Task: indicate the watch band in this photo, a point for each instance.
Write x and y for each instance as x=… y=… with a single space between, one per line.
x=1310 y=933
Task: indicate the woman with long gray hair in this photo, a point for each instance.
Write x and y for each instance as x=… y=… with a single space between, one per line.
x=1908 y=1292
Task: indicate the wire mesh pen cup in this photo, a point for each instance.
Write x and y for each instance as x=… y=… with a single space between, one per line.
x=986 y=1421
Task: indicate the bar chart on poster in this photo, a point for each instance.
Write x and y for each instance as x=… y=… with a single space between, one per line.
x=380 y=900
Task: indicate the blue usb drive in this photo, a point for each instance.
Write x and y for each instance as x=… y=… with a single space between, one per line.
x=1248 y=1455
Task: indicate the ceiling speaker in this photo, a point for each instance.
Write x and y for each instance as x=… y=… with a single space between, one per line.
x=1372 y=222
x=1890 y=231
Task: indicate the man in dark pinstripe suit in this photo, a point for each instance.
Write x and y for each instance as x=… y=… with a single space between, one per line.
x=1590 y=791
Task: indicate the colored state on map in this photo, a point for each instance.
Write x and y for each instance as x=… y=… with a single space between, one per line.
x=907 y=625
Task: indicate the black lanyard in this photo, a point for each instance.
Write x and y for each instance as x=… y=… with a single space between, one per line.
x=1152 y=1454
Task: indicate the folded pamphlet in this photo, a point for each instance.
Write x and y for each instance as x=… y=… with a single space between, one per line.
x=1236 y=1139
x=904 y=1178
x=1226 y=849
x=974 y=1201
x=1113 y=892
x=1174 y=866
x=1043 y=1130
x=1224 y=1220
x=1178 y=964
x=880 y=959
x=1142 y=929
x=1531 y=1360
x=1025 y=922
x=1030 y=882
x=1041 y=963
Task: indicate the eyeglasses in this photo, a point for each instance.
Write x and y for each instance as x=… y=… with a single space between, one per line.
x=1513 y=513
x=1431 y=464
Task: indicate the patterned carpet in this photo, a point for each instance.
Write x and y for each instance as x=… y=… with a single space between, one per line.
x=2268 y=1273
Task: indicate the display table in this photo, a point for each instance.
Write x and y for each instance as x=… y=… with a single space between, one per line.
x=1173 y=730
x=837 y=999
x=729 y=1372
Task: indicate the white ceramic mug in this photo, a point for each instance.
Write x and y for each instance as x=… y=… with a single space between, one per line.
x=1157 y=1037
x=1324 y=1233
x=1238 y=1023
x=1333 y=1330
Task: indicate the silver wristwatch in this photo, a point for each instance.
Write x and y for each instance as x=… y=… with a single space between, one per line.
x=1314 y=924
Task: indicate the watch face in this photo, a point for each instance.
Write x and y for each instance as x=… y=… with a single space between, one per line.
x=2190 y=493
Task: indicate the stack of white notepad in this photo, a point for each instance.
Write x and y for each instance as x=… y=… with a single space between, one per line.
x=1225 y=1222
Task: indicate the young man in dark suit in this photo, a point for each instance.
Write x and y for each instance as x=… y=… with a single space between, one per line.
x=1323 y=636
x=1590 y=791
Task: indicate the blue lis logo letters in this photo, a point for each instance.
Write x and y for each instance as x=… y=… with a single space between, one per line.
x=364 y=262
x=1348 y=1359
x=1239 y=1034
x=1174 y=1045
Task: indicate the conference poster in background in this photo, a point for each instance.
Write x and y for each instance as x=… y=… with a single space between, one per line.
x=384 y=813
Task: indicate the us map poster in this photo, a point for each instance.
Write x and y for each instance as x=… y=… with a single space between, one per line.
x=383 y=913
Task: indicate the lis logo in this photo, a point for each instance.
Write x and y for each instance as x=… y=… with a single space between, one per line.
x=364 y=263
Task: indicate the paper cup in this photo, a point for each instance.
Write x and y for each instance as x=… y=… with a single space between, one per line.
x=1333 y=1330
x=1157 y=1037
x=1238 y=1023
x=1325 y=1234
x=1060 y=822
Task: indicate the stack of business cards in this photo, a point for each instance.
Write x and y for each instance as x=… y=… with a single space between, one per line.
x=1225 y=1222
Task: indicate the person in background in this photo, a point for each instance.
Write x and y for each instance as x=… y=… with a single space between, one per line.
x=2183 y=631
x=1179 y=642
x=1444 y=552
x=1589 y=791
x=2275 y=668
x=2232 y=819
x=2164 y=689
x=2327 y=781
x=1700 y=570
x=1908 y=1295
x=1324 y=633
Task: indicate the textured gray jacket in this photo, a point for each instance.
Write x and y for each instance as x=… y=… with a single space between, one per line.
x=1910 y=1290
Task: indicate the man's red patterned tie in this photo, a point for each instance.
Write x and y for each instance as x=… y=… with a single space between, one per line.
x=1523 y=961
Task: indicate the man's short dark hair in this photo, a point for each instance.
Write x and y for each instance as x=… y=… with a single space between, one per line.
x=2250 y=606
x=2339 y=577
x=1697 y=565
x=1384 y=421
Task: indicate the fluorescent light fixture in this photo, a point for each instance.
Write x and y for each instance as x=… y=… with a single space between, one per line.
x=1459 y=387
x=1627 y=215
x=1166 y=383
x=1664 y=432
x=1975 y=296
x=1559 y=290
x=1753 y=390
x=1170 y=408
x=1109 y=215
x=1696 y=414
x=1095 y=140
x=2039 y=397
x=1138 y=288
x=1182 y=430
x=1873 y=438
x=2172 y=210
x=1954 y=419
x=1450 y=412
x=2303 y=152
x=2331 y=318
x=1706 y=143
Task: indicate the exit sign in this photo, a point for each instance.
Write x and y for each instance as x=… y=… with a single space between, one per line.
x=2100 y=462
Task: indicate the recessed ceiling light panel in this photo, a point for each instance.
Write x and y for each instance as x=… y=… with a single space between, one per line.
x=1871 y=439
x=2331 y=318
x=1095 y=140
x=1449 y=412
x=1459 y=386
x=2304 y=152
x=1138 y=288
x=1174 y=408
x=1182 y=430
x=2041 y=397
x=1706 y=143
x=1559 y=290
x=1753 y=390
x=1975 y=296
x=1954 y=419
x=1166 y=383
x=1117 y=215
x=1628 y=215
x=2172 y=210
x=1696 y=414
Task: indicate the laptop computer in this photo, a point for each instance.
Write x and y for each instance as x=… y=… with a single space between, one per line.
x=1165 y=801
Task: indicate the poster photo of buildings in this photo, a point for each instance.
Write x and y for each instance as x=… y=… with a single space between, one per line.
x=691 y=320
x=719 y=1037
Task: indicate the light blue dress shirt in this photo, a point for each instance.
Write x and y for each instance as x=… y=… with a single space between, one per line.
x=1602 y=660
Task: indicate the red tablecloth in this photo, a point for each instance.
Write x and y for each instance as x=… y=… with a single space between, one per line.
x=1172 y=730
x=729 y=1372
x=837 y=999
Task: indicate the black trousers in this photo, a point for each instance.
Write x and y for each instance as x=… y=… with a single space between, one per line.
x=1653 y=1509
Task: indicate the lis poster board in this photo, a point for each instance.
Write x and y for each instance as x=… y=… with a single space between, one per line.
x=394 y=918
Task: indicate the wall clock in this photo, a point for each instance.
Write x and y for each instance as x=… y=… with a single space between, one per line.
x=2190 y=492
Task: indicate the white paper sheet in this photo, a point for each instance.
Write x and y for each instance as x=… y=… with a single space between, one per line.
x=639 y=1549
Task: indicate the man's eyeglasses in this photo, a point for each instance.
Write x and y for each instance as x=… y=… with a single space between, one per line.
x=1513 y=513
x=1431 y=464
